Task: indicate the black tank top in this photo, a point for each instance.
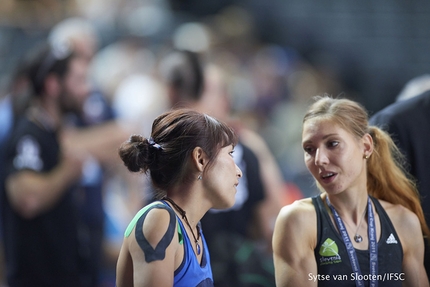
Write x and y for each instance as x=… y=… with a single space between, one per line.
x=334 y=267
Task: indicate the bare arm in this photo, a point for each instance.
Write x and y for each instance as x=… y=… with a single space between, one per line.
x=31 y=193
x=294 y=241
x=134 y=270
x=410 y=234
x=124 y=266
x=101 y=141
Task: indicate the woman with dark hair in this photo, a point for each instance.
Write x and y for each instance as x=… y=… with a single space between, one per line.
x=189 y=157
x=366 y=227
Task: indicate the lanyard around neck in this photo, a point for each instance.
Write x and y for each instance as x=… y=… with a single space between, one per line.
x=373 y=248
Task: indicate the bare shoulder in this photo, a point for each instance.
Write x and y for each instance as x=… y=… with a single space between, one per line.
x=399 y=214
x=295 y=233
x=403 y=219
x=298 y=210
x=158 y=223
x=152 y=226
x=142 y=239
x=297 y=218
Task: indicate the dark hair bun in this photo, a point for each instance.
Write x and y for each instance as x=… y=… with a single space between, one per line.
x=133 y=153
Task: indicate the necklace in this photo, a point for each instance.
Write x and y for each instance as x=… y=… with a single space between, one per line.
x=357 y=237
x=184 y=217
x=373 y=246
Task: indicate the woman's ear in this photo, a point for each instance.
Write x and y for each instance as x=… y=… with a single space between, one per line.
x=199 y=159
x=368 y=145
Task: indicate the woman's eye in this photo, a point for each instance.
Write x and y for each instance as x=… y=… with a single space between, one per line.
x=333 y=143
x=231 y=153
x=308 y=149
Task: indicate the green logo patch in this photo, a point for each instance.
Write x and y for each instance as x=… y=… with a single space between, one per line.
x=329 y=248
x=329 y=253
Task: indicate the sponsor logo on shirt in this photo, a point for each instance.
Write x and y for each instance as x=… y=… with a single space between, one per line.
x=28 y=154
x=329 y=252
x=391 y=239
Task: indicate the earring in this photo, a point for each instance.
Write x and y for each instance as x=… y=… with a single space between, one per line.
x=199 y=177
x=366 y=156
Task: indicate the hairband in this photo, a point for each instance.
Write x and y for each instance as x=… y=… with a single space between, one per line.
x=153 y=144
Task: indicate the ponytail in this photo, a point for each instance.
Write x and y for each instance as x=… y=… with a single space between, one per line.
x=387 y=178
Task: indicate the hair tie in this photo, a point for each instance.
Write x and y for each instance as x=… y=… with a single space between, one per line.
x=153 y=144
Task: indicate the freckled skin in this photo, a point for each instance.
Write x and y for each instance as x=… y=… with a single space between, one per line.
x=331 y=149
x=337 y=160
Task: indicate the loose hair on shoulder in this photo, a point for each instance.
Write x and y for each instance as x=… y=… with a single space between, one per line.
x=175 y=134
x=387 y=178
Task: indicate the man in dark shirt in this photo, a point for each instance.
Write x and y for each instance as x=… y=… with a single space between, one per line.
x=38 y=212
x=408 y=121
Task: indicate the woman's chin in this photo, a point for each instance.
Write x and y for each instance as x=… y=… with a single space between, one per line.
x=225 y=205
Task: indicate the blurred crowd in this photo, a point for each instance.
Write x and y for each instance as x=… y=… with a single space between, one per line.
x=268 y=84
x=262 y=88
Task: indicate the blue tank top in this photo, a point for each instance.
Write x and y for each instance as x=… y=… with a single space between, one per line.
x=332 y=259
x=190 y=273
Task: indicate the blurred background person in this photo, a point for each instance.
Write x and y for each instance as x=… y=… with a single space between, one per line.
x=408 y=122
x=122 y=73
x=95 y=126
x=39 y=217
x=12 y=105
x=244 y=230
x=414 y=87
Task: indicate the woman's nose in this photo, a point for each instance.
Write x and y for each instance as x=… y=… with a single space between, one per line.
x=238 y=171
x=320 y=157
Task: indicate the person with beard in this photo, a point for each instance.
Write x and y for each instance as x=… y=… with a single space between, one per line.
x=38 y=212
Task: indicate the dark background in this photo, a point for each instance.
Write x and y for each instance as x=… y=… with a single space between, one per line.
x=374 y=47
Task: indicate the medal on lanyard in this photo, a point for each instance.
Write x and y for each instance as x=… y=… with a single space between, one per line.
x=373 y=247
